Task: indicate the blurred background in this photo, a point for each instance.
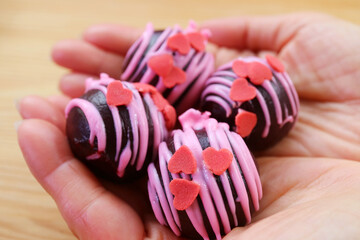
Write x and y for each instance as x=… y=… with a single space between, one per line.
x=29 y=29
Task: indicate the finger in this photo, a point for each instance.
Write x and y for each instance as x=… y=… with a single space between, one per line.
x=155 y=231
x=59 y=101
x=112 y=38
x=40 y=108
x=73 y=84
x=90 y=211
x=321 y=132
x=84 y=57
x=258 y=33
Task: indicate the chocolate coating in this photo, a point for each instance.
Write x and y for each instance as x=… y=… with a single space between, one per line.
x=276 y=105
x=225 y=201
x=118 y=150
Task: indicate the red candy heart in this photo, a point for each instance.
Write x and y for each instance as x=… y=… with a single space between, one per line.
x=183 y=160
x=166 y=109
x=240 y=68
x=144 y=87
x=159 y=100
x=169 y=116
x=118 y=95
x=161 y=64
x=258 y=73
x=245 y=122
x=185 y=193
x=217 y=161
x=242 y=91
x=196 y=40
x=176 y=76
x=179 y=42
x=275 y=63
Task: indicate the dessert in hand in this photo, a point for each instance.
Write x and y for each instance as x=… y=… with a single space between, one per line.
x=205 y=182
x=174 y=61
x=255 y=97
x=115 y=127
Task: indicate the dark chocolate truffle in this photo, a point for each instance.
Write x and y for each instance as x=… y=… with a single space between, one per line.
x=172 y=60
x=255 y=97
x=115 y=127
x=205 y=182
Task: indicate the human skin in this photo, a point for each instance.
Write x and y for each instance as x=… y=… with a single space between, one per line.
x=311 y=179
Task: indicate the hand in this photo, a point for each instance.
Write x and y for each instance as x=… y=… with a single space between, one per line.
x=310 y=179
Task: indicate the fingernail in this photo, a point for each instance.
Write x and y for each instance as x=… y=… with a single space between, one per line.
x=17 y=124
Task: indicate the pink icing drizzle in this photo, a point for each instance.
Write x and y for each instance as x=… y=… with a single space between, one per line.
x=214 y=91
x=199 y=69
x=219 y=137
x=139 y=124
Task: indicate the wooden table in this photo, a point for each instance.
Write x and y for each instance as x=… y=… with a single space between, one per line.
x=29 y=28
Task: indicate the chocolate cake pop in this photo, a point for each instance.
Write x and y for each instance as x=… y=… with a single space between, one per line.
x=115 y=127
x=255 y=97
x=173 y=60
x=205 y=182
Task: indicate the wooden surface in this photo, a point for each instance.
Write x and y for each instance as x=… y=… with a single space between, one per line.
x=29 y=28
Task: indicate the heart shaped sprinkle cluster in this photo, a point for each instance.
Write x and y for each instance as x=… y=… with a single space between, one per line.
x=183 y=161
x=241 y=90
x=161 y=103
x=245 y=122
x=117 y=95
x=275 y=63
x=185 y=192
x=163 y=65
x=217 y=160
x=182 y=43
x=256 y=72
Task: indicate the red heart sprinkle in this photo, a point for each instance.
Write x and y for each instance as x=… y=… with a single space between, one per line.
x=275 y=63
x=161 y=64
x=240 y=68
x=159 y=100
x=245 y=122
x=144 y=87
x=179 y=42
x=242 y=91
x=118 y=95
x=169 y=116
x=183 y=160
x=176 y=76
x=197 y=41
x=258 y=73
x=185 y=193
x=217 y=161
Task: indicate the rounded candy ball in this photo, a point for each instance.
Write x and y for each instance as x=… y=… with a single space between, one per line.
x=115 y=127
x=255 y=97
x=174 y=61
x=205 y=182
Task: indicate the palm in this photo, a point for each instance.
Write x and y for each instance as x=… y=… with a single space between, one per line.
x=309 y=187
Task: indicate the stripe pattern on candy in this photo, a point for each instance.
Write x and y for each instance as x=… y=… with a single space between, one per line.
x=198 y=65
x=140 y=123
x=229 y=198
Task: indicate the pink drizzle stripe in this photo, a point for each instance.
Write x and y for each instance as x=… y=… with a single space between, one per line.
x=96 y=124
x=219 y=137
x=115 y=115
